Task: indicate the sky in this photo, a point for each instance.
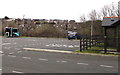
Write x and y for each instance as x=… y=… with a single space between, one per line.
x=50 y=9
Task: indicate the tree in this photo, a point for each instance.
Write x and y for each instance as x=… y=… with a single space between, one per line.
x=82 y=18
x=94 y=15
x=110 y=10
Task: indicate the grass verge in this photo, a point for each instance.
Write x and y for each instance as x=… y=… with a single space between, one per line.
x=99 y=49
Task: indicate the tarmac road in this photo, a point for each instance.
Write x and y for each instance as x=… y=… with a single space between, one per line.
x=17 y=60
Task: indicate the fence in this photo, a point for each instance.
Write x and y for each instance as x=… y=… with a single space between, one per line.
x=87 y=42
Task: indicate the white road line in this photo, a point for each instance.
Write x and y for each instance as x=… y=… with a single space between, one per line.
x=11 y=53
x=57 y=61
x=43 y=59
x=17 y=72
x=82 y=63
x=6 y=43
x=63 y=61
x=0 y=69
x=76 y=46
x=70 y=46
x=26 y=57
x=106 y=66
x=47 y=45
x=11 y=56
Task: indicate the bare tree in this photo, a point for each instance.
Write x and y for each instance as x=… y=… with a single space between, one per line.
x=82 y=18
x=110 y=10
x=94 y=15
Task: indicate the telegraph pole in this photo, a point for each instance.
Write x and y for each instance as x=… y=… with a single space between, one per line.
x=91 y=29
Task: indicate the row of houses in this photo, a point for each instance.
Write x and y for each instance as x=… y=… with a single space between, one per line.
x=62 y=24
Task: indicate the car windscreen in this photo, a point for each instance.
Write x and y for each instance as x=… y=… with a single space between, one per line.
x=15 y=30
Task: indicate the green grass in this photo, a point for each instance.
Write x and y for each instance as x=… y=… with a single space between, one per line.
x=99 y=49
x=96 y=52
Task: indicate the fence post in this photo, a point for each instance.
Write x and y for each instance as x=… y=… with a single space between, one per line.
x=90 y=42
x=86 y=42
x=105 y=40
x=83 y=43
x=80 y=44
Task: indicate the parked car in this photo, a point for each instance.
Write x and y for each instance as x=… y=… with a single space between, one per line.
x=73 y=35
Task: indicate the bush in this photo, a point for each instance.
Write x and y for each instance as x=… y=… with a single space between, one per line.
x=46 y=30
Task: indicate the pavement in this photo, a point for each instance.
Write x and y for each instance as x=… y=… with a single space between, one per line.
x=17 y=60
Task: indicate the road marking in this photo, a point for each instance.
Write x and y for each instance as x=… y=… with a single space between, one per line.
x=0 y=69
x=82 y=63
x=26 y=57
x=61 y=61
x=76 y=46
x=70 y=46
x=64 y=45
x=11 y=56
x=57 y=61
x=106 y=66
x=6 y=43
x=43 y=59
x=47 y=45
x=11 y=53
x=17 y=72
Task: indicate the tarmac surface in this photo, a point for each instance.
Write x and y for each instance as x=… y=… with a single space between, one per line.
x=17 y=60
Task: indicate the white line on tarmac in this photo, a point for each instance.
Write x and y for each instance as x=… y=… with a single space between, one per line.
x=43 y=59
x=11 y=56
x=82 y=63
x=106 y=66
x=6 y=43
x=26 y=57
x=17 y=72
x=11 y=53
x=61 y=61
x=0 y=69
x=57 y=61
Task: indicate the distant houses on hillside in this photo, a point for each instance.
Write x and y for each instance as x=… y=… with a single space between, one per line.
x=65 y=24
